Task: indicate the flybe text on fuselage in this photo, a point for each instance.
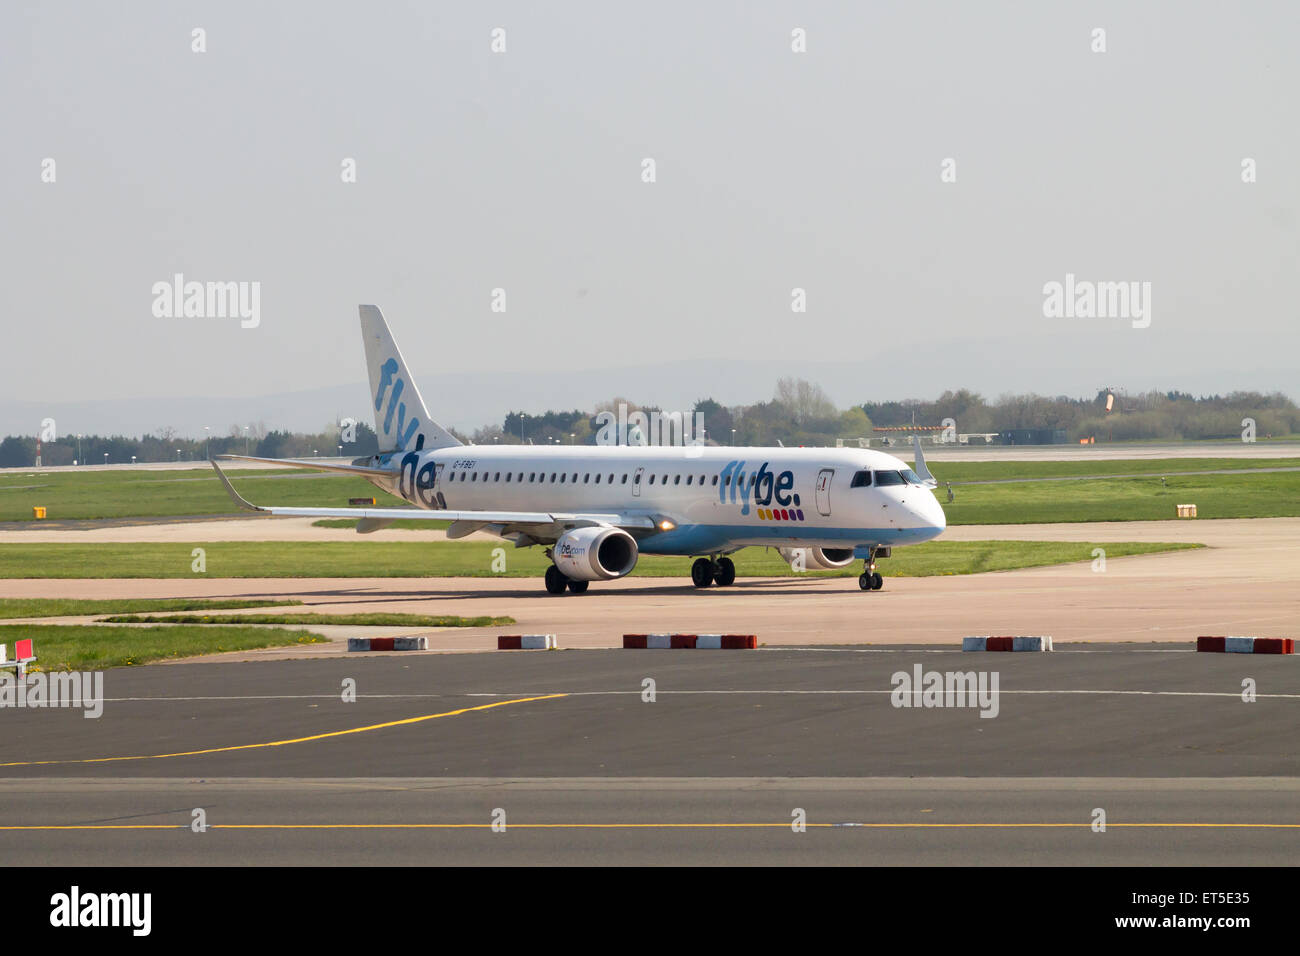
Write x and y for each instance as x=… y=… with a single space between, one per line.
x=764 y=488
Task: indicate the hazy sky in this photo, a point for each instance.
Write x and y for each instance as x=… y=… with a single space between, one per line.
x=523 y=170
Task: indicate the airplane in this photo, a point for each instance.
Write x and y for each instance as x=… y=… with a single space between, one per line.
x=595 y=509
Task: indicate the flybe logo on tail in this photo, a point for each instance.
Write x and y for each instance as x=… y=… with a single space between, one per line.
x=392 y=385
x=764 y=487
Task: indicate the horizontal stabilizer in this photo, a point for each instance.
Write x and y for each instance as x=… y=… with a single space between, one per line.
x=359 y=470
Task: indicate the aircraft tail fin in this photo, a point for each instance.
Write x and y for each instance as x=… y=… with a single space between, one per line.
x=402 y=421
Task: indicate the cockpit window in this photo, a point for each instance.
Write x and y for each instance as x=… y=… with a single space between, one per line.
x=912 y=477
x=861 y=479
x=888 y=478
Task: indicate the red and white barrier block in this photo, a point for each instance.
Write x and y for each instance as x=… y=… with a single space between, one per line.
x=526 y=642
x=1043 y=643
x=388 y=643
x=699 y=642
x=23 y=655
x=1246 y=645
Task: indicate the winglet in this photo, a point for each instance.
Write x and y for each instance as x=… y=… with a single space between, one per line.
x=239 y=500
x=922 y=470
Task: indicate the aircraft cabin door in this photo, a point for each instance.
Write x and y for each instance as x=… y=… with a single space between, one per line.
x=824 y=490
x=636 y=482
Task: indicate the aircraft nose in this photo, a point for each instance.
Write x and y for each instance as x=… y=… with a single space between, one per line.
x=930 y=515
x=940 y=518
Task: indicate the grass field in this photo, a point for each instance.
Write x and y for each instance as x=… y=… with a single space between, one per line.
x=94 y=647
x=143 y=494
x=996 y=470
x=356 y=620
x=273 y=559
x=69 y=607
x=1124 y=499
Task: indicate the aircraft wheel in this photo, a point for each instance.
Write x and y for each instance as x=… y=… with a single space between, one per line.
x=702 y=572
x=877 y=582
x=725 y=573
x=864 y=581
x=578 y=587
x=555 y=580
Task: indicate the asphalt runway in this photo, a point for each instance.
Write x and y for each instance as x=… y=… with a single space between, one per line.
x=711 y=771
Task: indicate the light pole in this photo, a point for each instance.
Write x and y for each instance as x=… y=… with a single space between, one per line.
x=207 y=442
x=178 y=454
x=522 y=416
x=245 y=439
x=106 y=458
x=133 y=459
x=78 y=448
x=340 y=451
x=733 y=436
x=571 y=434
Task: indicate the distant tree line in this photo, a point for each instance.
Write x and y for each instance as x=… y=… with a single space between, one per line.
x=1151 y=416
x=20 y=450
x=799 y=413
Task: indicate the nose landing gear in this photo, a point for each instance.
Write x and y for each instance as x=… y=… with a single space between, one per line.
x=870 y=579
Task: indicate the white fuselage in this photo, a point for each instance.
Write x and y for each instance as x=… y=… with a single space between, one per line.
x=716 y=498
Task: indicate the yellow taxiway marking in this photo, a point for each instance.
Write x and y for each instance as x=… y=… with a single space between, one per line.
x=640 y=826
x=295 y=740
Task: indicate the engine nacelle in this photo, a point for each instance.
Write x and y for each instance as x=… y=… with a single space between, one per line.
x=817 y=559
x=595 y=554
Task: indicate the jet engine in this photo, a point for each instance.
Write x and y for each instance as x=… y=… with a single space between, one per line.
x=595 y=553
x=817 y=559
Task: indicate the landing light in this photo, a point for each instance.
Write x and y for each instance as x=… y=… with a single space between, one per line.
x=666 y=525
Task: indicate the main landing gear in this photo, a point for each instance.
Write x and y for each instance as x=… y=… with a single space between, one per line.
x=870 y=579
x=557 y=581
x=707 y=571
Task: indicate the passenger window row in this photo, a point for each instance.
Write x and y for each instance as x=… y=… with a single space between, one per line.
x=861 y=479
x=588 y=478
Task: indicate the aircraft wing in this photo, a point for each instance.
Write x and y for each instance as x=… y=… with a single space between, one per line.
x=922 y=470
x=530 y=522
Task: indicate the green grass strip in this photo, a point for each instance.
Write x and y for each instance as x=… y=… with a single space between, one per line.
x=94 y=647
x=70 y=607
x=359 y=620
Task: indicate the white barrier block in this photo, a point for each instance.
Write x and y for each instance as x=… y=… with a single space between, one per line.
x=708 y=642
x=410 y=643
x=537 y=642
x=974 y=643
x=659 y=641
x=1031 y=644
x=1239 y=645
